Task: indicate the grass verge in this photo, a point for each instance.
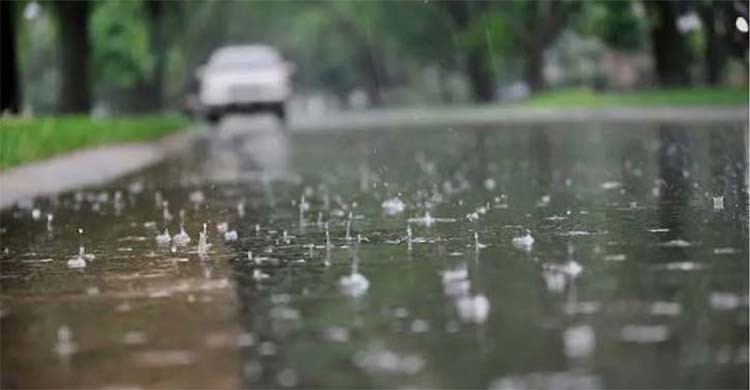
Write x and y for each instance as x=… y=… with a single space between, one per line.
x=28 y=139
x=582 y=97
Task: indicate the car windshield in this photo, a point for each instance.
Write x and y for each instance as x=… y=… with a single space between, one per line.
x=244 y=59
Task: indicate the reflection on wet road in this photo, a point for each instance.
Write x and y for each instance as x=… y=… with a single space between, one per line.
x=541 y=257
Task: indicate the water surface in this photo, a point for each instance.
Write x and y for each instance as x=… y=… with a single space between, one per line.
x=637 y=276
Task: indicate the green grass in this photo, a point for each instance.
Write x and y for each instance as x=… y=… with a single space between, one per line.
x=582 y=97
x=28 y=139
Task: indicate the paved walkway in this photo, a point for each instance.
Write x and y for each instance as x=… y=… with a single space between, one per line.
x=84 y=168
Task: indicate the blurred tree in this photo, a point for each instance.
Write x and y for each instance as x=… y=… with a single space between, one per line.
x=121 y=55
x=73 y=27
x=357 y=22
x=424 y=34
x=338 y=46
x=134 y=43
x=10 y=94
x=489 y=28
x=155 y=15
x=616 y=23
x=325 y=66
x=464 y=15
x=670 y=49
x=740 y=9
x=163 y=19
x=200 y=28
x=535 y=25
x=39 y=57
x=120 y=43
x=737 y=40
x=713 y=16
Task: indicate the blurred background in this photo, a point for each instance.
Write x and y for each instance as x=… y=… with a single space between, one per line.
x=638 y=277
x=136 y=56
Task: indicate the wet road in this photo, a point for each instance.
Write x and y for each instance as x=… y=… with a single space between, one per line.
x=393 y=258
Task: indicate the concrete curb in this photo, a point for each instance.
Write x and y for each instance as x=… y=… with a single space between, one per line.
x=87 y=167
x=519 y=116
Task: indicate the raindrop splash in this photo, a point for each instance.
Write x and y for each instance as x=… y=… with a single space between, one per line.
x=163 y=238
x=354 y=284
x=166 y=214
x=473 y=309
x=231 y=235
x=203 y=244
x=181 y=238
x=303 y=206
x=65 y=345
x=349 y=227
x=328 y=236
x=50 y=217
x=259 y=275
x=525 y=242
x=408 y=237
x=393 y=206
x=478 y=245
x=79 y=260
x=718 y=203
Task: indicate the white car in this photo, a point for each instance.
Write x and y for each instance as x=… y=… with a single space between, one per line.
x=246 y=79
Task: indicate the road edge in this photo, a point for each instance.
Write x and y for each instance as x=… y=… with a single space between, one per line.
x=86 y=167
x=494 y=116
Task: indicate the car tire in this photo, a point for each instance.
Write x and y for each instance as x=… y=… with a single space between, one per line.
x=279 y=110
x=213 y=118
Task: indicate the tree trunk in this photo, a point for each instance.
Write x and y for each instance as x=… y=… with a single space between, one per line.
x=10 y=96
x=368 y=57
x=75 y=96
x=446 y=95
x=534 y=68
x=716 y=50
x=477 y=63
x=480 y=76
x=155 y=84
x=670 y=49
x=374 y=76
x=536 y=29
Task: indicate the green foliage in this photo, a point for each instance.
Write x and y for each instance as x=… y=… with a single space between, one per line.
x=617 y=23
x=120 y=43
x=491 y=32
x=419 y=31
x=175 y=70
x=330 y=63
x=336 y=45
x=27 y=139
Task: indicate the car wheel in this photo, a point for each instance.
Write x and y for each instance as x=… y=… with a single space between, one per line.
x=280 y=111
x=213 y=118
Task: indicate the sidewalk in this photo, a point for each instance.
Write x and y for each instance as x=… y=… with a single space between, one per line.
x=85 y=167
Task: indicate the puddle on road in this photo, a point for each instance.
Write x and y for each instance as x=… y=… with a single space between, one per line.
x=487 y=258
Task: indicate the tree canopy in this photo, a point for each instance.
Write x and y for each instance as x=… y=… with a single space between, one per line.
x=143 y=53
